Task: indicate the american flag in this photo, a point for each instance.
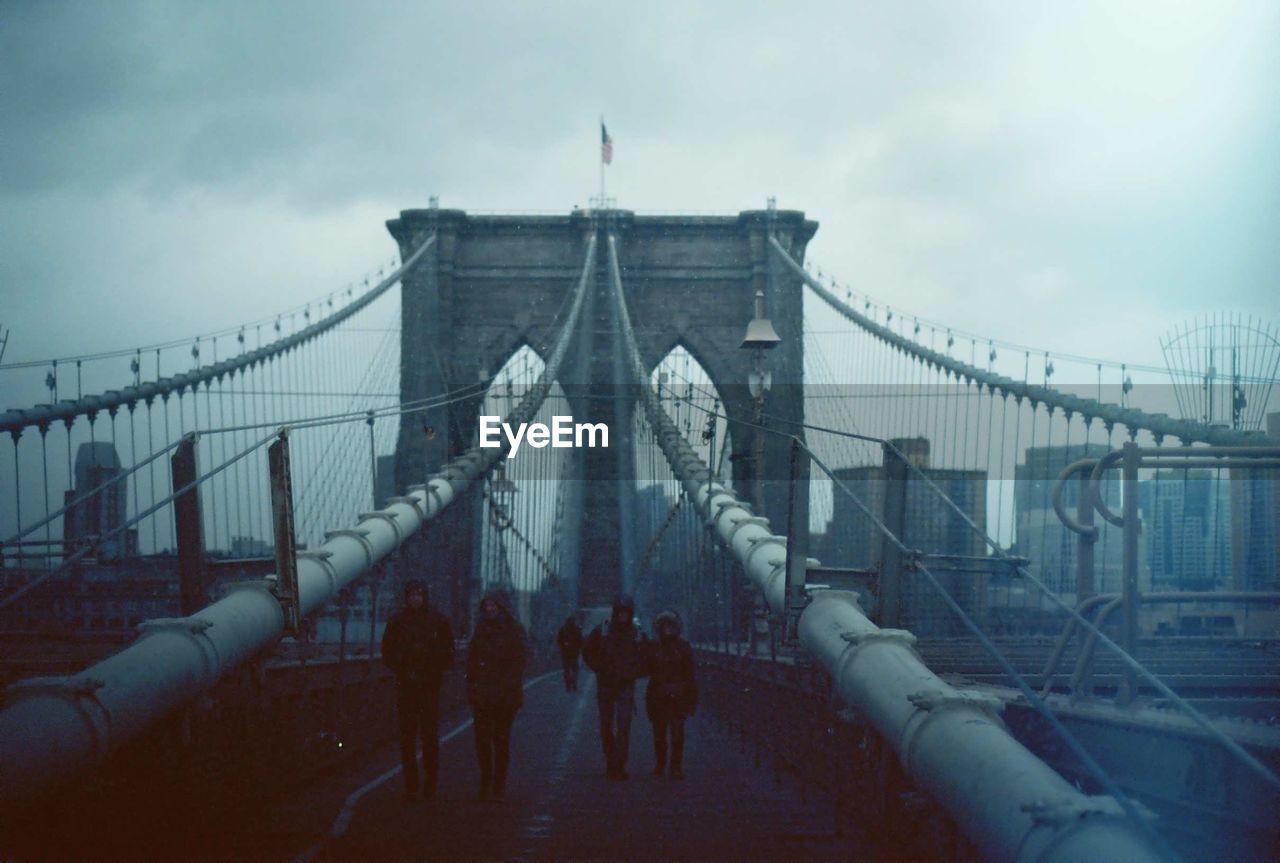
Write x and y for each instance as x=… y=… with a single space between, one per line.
x=606 y=146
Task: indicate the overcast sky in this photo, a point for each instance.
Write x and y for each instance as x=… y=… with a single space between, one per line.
x=1080 y=177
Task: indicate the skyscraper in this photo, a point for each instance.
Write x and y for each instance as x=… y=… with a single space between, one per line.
x=1187 y=528
x=103 y=512
x=932 y=526
x=1255 y=512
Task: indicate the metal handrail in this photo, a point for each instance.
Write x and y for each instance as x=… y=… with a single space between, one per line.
x=1185 y=457
x=1086 y=530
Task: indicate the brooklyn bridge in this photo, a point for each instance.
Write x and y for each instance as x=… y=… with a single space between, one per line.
x=948 y=598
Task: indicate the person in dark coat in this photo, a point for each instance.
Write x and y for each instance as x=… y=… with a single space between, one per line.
x=417 y=646
x=569 y=639
x=672 y=694
x=495 y=687
x=618 y=653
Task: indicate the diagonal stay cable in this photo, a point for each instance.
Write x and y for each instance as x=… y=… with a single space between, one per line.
x=1236 y=750
x=1241 y=754
x=411 y=407
x=120 y=477
x=1128 y=807
x=82 y=553
x=1077 y=748
x=694 y=474
x=45 y=737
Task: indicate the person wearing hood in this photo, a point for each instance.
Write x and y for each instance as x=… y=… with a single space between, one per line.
x=496 y=658
x=618 y=653
x=417 y=646
x=569 y=640
x=672 y=694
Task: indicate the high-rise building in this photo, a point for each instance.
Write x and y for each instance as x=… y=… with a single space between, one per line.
x=1186 y=520
x=932 y=526
x=1255 y=511
x=384 y=480
x=1043 y=539
x=850 y=538
x=97 y=520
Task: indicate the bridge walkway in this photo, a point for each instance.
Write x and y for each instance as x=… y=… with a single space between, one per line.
x=559 y=805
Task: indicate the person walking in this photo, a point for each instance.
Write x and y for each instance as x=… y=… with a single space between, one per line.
x=569 y=638
x=417 y=646
x=672 y=693
x=618 y=653
x=496 y=659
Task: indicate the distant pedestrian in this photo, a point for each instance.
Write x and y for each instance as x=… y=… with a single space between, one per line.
x=569 y=638
x=417 y=646
x=618 y=653
x=672 y=694
x=496 y=658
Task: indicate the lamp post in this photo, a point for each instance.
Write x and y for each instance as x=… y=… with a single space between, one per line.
x=760 y=337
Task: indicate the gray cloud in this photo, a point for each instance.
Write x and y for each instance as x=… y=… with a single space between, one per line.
x=1097 y=161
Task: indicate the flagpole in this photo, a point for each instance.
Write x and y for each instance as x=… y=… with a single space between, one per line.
x=602 y=164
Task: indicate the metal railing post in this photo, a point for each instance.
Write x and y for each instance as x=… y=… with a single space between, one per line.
x=188 y=526
x=374 y=584
x=285 y=588
x=892 y=565
x=1086 y=543
x=1132 y=532
x=797 y=541
x=373 y=460
x=340 y=683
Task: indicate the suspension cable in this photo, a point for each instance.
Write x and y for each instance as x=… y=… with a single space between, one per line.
x=66 y=410
x=1133 y=418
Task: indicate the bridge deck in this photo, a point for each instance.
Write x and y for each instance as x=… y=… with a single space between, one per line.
x=560 y=806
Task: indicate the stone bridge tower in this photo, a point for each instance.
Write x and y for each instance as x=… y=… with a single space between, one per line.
x=492 y=284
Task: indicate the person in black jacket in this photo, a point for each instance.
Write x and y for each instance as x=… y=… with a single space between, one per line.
x=672 y=694
x=417 y=646
x=495 y=687
x=569 y=639
x=618 y=653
